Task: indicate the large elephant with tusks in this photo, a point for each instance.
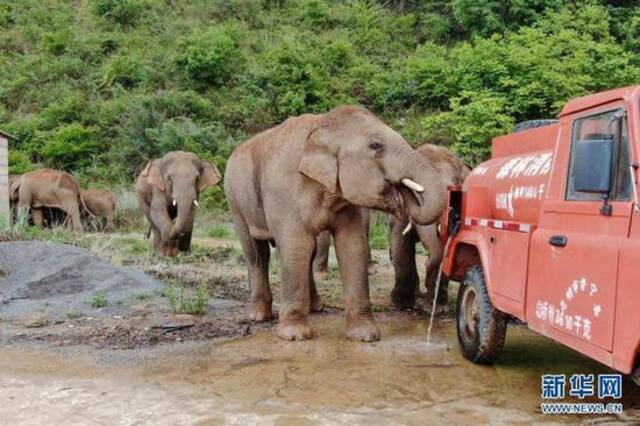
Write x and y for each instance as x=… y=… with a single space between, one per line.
x=310 y=174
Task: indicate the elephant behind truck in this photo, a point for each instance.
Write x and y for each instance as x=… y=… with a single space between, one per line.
x=311 y=174
x=167 y=190
x=100 y=203
x=402 y=245
x=48 y=188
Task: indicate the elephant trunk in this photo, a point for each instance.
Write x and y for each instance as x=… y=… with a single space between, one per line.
x=185 y=201
x=423 y=187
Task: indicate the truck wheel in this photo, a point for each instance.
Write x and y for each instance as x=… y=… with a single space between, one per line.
x=481 y=328
x=532 y=124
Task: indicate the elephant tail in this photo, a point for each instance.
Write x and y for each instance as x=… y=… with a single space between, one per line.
x=148 y=234
x=84 y=205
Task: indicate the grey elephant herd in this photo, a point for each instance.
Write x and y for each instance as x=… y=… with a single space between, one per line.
x=294 y=187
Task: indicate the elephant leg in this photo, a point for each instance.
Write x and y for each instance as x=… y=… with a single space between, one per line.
x=158 y=244
x=321 y=258
x=171 y=248
x=296 y=254
x=403 y=257
x=366 y=216
x=38 y=217
x=24 y=205
x=257 y=254
x=428 y=236
x=73 y=215
x=184 y=242
x=109 y=226
x=314 y=297
x=351 y=251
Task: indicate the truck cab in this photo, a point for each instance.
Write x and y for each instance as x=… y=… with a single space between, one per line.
x=548 y=231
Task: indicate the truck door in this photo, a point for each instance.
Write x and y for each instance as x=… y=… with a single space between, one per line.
x=574 y=252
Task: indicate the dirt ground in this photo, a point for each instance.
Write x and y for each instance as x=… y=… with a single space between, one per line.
x=145 y=364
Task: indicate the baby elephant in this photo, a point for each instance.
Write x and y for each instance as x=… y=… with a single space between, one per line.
x=100 y=203
x=168 y=189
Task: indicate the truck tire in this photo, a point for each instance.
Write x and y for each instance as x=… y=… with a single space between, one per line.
x=532 y=124
x=481 y=327
x=635 y=376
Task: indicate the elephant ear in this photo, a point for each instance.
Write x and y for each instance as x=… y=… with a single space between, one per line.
x=153 y=174
x=318 y=162
x=209 y=176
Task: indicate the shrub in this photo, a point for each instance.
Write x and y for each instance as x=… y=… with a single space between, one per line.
x=182 y=301
x=57 y=42
x=123 y=12
x=209 y=58
x=19 y=162
x=70 y=146
x=98 y=300
x=125 y=70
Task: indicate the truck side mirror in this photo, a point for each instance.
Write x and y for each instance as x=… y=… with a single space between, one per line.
x=593 y=166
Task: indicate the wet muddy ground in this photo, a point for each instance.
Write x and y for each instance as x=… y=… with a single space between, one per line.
x=329 y=380
x=151 y=366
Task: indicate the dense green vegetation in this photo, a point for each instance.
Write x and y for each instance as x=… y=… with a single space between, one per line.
x=98 y=87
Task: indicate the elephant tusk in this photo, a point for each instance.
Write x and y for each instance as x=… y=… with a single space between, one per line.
x=175 y=203
x=407 y=229
x=412 y=185
x=195 y=202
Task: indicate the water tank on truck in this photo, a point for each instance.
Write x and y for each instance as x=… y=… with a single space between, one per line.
x=511 y=185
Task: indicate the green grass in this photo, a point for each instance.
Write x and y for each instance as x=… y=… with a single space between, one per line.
x=219 y=231
x=132 y=245
x=73 y=314
x=217 y=254
x=182 y=301
x=142 y=296
x=378 y=232
x=20 y=231
x=98 y=300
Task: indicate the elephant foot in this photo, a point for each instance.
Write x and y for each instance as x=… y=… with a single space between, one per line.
x=440 y=309
x=260 y=311
x=362 y=329
x=403 y=301
x=169 y=249
x=294 y=330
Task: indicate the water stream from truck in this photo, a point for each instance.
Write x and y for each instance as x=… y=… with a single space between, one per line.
x=437 y=289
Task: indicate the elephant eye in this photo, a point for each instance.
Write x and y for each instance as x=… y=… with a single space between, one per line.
x=376 y=146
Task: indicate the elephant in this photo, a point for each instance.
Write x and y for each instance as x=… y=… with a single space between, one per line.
x=167 y=190
x=402 y=241
x=48 y=188
x=310 y=174
x=323 y=243
x=101 y=203
x=13 y=196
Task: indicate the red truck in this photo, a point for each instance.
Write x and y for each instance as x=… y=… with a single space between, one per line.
x=548 y=231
